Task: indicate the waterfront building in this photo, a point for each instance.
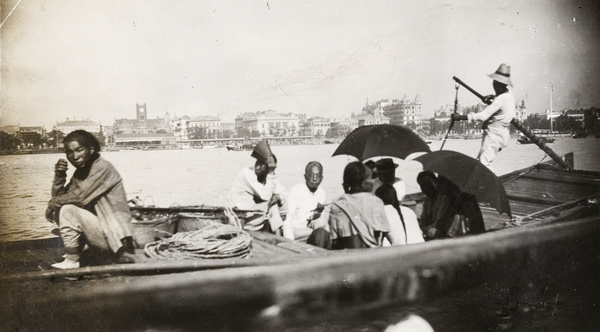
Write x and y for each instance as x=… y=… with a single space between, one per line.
x=142 y=124
x=343 y=122
x=146 y=140
x=72 y=125
x=444 y=112
x=179 y=126
x=377 y=117
x=268 y=123
x=404 y=111
x=316 y=126
x=239 y=124
x=11 y=129
x=553 y=114
x=211 y=124
x=521 y=112
x=32 y=130
x=577 y=115
x=227 y=129
x=341 y=127
x=143 y=132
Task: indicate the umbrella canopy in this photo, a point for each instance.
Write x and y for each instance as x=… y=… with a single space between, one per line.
x=381 y=140
x=470 y=175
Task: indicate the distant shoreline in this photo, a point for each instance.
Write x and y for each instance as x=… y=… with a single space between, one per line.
x=36 y=151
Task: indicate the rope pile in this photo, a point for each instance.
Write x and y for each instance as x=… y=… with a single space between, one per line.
x=213 y=241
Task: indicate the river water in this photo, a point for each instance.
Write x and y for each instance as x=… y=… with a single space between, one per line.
x=204 y=176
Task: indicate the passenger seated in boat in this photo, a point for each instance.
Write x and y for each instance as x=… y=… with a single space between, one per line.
x=447 y=212
x=357 y=219
x=437 y=212
x=404 y=226
x=468 y=218
x=257 y=188
x=92 y=204
x=371 y=165
x=307 y=219
x=386 y=173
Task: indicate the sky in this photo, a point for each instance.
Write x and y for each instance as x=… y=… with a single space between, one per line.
x=95 y=59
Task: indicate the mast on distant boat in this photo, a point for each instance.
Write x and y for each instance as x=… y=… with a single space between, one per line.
x=551 y=111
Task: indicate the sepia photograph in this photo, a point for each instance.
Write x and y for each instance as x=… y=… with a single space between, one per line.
x=299 y=165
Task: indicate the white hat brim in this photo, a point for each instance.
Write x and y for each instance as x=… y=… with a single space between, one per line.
x=501 y=79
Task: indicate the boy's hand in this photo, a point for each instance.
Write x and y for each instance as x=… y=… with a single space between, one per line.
x=50 y=215
x=60 y=169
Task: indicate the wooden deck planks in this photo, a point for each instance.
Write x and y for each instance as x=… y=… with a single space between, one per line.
x=520 y=208
x=492 y=219
x=580 y=179
x=551 y=193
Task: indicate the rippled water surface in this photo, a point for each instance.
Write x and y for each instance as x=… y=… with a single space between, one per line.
x=204 y=176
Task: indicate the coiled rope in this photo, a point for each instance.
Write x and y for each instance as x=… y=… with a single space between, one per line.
x=232 y=217
x=213 y=241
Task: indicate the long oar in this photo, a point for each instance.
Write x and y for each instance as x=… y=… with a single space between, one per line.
x=524 y=130
x=451 y=119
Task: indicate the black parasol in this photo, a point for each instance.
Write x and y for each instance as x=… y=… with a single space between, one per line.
x=381 y=140
x=470 y=175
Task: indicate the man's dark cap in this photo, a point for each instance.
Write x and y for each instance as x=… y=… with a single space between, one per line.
x=263 y=152
x=385 y=165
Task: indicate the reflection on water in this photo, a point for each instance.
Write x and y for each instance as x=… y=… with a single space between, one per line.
x=196 y=176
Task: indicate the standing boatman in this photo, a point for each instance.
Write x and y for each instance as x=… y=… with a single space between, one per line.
x=496 y=116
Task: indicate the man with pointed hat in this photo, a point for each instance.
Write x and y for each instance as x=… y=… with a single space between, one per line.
x=257 y=188
x=496 y=116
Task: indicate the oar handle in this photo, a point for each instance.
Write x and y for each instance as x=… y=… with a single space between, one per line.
x=479 y=95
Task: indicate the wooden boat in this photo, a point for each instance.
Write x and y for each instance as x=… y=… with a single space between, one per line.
x=581 y=134
x=525 y=140
x=284 y=284
x=240 y=147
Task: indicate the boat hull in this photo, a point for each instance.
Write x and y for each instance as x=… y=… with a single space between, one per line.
x=287 y=295
x=525 y=140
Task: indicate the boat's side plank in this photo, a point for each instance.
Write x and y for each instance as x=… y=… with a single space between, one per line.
x=565 y=178
x=492 y=219
x=520 y=257
x=298 y=248
x=543 y=192
x=508 y=177
x=521 y=208
x=565 y=209
x=264 y=249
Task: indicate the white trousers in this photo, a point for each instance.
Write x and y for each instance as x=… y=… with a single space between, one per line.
x=489 y=150
x=75 y=221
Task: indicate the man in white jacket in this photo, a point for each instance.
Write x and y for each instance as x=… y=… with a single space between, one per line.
x=496 y=116
x=308 y=217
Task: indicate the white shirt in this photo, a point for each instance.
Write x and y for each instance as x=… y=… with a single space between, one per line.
x=301 y=203
x=413 y=231
x=247 y=193
x=500 y=113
